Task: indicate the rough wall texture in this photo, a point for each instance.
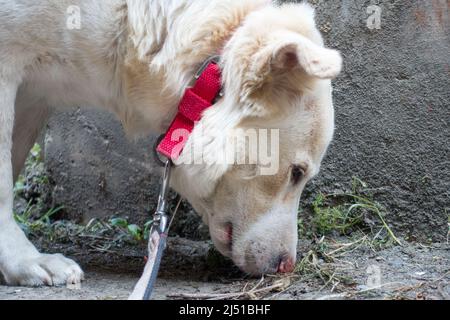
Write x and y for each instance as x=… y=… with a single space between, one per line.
x=392 y=104
x=392 y=108
x=96 y=170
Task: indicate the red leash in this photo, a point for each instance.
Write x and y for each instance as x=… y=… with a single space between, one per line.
x=194 y=102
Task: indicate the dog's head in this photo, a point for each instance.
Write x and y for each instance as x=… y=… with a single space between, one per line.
x=246 y=163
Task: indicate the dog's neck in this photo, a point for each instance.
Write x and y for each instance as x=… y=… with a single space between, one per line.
x=168 y=41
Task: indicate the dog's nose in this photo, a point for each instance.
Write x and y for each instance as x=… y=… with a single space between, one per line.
x=286 y=264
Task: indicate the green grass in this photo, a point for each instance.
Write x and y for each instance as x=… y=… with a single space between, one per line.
x=31 y=225
x=328 y=217
x=339 y=224
x=34 y=173
x=29 y=186
x=349 y=212
x=137 y=232
x=115 y=230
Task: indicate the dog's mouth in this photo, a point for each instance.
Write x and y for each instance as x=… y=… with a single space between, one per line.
x=223 y=238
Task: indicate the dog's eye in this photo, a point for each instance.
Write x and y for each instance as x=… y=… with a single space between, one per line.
x=297 y=174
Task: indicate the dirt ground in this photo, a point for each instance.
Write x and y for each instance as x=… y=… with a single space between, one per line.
x=102 y=285
x=191 y=270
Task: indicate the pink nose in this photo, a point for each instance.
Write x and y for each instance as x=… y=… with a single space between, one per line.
x=287 y=265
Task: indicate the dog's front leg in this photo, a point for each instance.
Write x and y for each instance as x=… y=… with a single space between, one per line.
x=20 y=262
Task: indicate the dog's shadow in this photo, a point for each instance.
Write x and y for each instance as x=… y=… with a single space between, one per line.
x=196 y=261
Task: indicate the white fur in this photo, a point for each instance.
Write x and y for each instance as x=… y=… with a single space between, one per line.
x=135 y=58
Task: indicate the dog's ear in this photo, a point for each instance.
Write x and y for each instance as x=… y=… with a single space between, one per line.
x=296 y=51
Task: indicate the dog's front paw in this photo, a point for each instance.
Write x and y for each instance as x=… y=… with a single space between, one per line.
x=44 y=269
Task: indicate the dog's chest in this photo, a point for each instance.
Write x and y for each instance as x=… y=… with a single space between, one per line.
x=66 y=86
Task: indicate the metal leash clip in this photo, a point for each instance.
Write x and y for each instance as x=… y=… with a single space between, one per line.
x=161 y=215
x=157 y=240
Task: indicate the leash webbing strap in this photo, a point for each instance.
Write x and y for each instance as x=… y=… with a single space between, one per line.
x=157 y=240
x=155 y=264
x=144 y=288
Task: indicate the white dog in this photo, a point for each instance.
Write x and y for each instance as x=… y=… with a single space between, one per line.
x=136 y=58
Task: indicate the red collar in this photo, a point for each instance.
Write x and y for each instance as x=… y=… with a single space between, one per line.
x=195 y=100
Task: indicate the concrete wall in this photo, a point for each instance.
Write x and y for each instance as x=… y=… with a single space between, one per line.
x=392 y=107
